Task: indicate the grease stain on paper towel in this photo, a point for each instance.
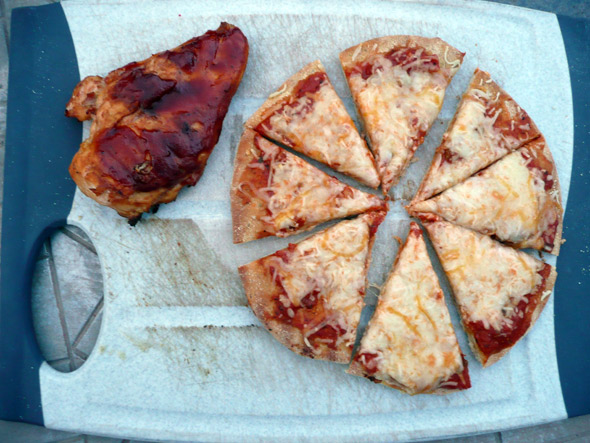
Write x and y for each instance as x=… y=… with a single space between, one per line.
x=171 y=263
x=189 y=353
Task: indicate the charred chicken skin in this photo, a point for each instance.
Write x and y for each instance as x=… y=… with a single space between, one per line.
x=155 y=122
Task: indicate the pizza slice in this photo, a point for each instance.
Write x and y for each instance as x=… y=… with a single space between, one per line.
x=310 y=294
x=500 y=291
x=410 y=343
x=307 y=115
x=488 y=125
x=275 y=192
x=515 y=200
x=398 y=84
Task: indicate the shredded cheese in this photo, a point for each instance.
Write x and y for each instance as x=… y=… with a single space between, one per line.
x=333 y=263
x=278 y=91
x=411 y=329
x=356 y=52
x=298 y=191
x=504 y=200
x=473 y=141
x=397 y=104
x=318 y=126
x=487 y=277
x=508 y=200
x=455 y=63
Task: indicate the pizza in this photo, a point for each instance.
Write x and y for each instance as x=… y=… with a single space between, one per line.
x=410 y=343
x=307 y=115
x=500 y=291
x=310 y=294
x=487 y=126
x=492 y=188
x=398 y=84
x=516 y=200
x=274 y=192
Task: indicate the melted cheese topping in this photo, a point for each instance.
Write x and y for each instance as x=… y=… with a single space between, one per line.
x=333 y=261
x=411 y=331
x=505 y=199
x=396 y=107
x=472 y=142
x=297 y=191
x=489 y=279
x=318 y=125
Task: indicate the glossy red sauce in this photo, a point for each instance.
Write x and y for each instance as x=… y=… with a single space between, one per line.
x=427 y=217
x=550 y=234
x=328 y=335
x=415 y=231
x=513 y=127
x=139 y=88
x=541 y=165
x=462 y=380
x=346 y=193
x=377 y=220
x=311 y=299
x=185 y=60
x=305 y=317
x=285 y=254
x=191 y=113
x=310 y=85
x=407 y=56
x=491 y=341
x=370 y=363
x=448 y=156
x=301 y=91
x=402 y=57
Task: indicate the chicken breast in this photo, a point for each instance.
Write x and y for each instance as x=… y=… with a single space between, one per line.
x=155 y=122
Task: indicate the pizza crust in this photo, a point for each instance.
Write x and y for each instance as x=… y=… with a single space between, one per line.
x=449 y=57
x=510 y=109
x=555 y=195
x=356 y=368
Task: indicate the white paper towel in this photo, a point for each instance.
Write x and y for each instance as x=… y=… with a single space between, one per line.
x=180 y=355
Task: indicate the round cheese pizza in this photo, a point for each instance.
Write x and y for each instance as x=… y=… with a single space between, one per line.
x=492 y=188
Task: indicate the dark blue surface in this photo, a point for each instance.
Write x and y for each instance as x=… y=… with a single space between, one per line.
x=572 y=291
x=38 y=192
